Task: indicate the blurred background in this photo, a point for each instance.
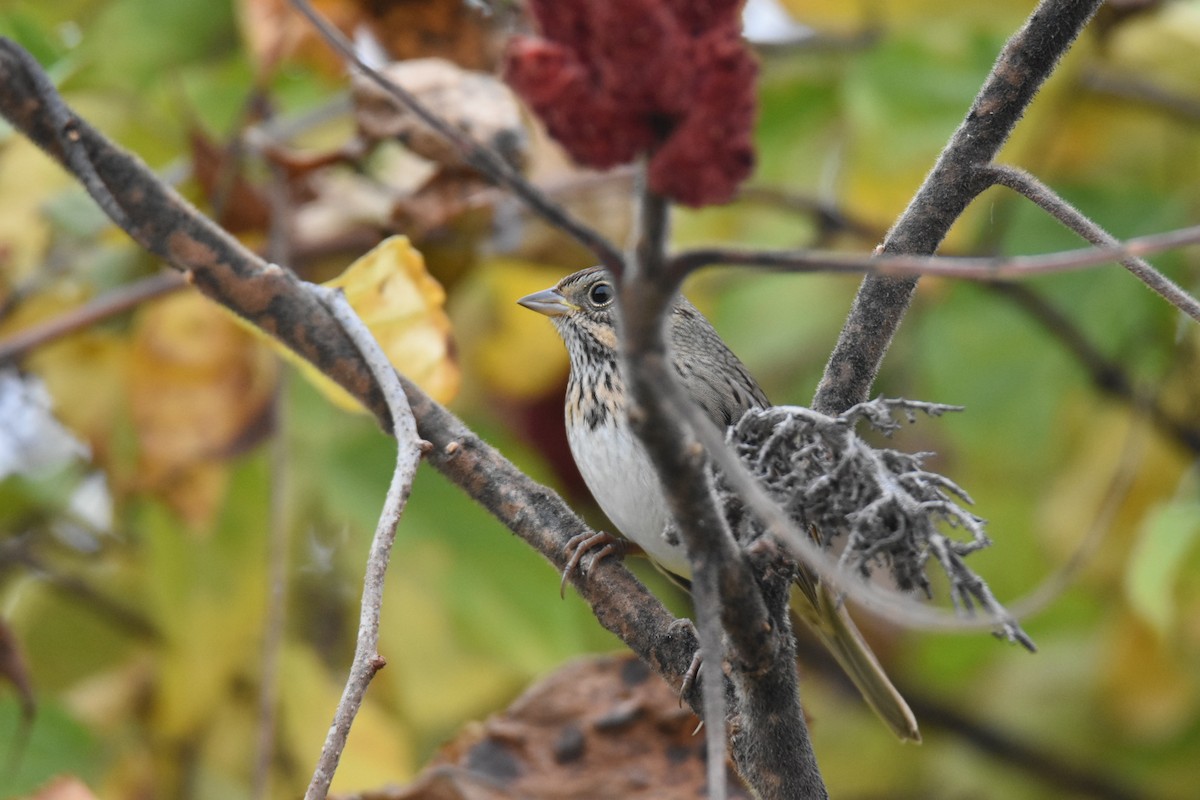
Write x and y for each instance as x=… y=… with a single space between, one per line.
x=160 y=467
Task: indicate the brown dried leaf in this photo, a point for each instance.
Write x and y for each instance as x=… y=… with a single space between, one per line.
x=240 y=205
x=274 y=31
x=480 y=105
x=440 y=202
x=447 y=29
x=598 y=728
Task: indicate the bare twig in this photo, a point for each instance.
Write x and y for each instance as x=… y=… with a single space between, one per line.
x=130 y=621
x=828 y=218
x=980 y=269
x=107 y=305
x=1045 y=198
x=482 y=158
x=1025 y=62
x=367 y=660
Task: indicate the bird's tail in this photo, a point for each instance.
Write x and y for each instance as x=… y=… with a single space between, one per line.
x=812 y=602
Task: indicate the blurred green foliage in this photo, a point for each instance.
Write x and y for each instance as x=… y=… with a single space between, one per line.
x=157 y=693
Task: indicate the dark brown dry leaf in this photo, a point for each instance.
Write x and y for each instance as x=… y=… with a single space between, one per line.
x=440 y=201
x=448 y=29
x=239 y=205
x=598 y=728
x=480 y=105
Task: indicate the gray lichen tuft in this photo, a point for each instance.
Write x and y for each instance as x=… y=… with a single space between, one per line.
x=889 y=510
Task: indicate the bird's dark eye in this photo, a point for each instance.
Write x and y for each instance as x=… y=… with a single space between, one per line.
x=601 y=294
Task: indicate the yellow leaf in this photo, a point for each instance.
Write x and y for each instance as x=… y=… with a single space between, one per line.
x=829 y=16
x=199 y=387
x=514 y=351
x=403 y=306
x=380 y=748
x=27 y=180
x=1153 y=692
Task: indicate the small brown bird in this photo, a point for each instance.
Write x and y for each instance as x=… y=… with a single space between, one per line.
x=621 y=477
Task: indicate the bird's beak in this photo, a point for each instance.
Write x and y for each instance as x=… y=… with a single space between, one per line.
x=548 y=302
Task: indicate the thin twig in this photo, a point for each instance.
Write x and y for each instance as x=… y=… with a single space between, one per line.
x=988 y=268
x=482 y=158
x=1045 y=198
x=106 y=305
x=367 y=660
x=827 y=216
x=1144 y=93
x=130 y=621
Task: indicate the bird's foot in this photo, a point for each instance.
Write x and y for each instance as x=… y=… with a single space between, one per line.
x=601 y=544
x=689 y=677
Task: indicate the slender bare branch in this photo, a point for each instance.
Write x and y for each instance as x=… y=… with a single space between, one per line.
x=1045 y=198
x=989 y=268
x=102 y=307
x=695 y=506
x=409 y=445
x=1143 y=92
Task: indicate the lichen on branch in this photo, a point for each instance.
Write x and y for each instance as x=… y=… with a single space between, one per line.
x=888 y=510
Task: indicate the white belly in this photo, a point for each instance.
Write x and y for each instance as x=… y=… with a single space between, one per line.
x=619 y=474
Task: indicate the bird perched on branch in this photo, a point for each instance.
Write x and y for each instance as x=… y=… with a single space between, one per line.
x=622 y=478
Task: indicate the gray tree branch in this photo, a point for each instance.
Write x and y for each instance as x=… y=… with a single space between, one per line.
x=1023 y=65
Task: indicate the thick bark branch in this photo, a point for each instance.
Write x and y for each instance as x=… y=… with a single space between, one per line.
x=769 y=738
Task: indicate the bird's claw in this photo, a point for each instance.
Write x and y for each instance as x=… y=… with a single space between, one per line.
x=689 y=677
x=604 y=545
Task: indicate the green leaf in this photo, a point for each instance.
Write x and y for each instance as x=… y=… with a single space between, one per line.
x=1167 y=536
x=57 y=744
